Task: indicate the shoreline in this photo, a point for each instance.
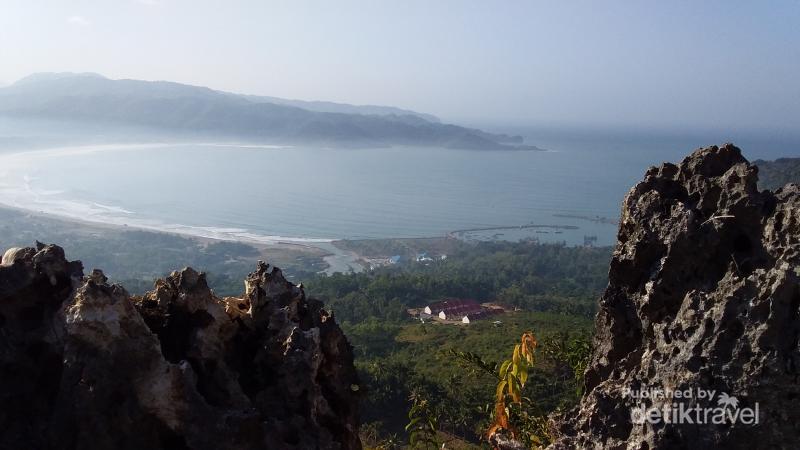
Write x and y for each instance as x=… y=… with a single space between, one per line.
x=203 y=233
x=21 y=197
x=338 y=260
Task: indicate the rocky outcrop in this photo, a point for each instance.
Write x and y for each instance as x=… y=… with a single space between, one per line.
x=703 y=299
x=85 y=365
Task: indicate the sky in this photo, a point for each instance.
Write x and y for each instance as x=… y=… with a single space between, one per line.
x=715 y=64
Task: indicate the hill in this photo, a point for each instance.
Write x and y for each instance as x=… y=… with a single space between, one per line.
x=203 y=112
x=775 y=174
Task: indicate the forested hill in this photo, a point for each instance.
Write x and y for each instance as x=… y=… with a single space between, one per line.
x=402 y=361
x=532 y=277
x=193 y=110
x=774 y=174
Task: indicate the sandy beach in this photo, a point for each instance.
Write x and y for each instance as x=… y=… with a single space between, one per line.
x=338 y=260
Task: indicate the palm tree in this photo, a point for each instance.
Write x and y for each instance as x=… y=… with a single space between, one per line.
x=726 y=401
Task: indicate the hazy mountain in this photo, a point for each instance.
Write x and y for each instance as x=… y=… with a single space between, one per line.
x=775 y=174
x=180 y=108
x=332 y=107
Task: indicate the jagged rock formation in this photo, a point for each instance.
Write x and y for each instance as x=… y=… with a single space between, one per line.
x=704 y=292
x=83 y=365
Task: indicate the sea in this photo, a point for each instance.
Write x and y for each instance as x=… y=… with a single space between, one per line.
x=569 y=193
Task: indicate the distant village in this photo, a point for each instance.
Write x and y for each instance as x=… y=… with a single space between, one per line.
x=423 y=258
x=457 y=311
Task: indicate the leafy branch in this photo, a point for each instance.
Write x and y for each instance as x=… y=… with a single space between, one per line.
x=422 y=424
x=513 y=374
x=473 y=361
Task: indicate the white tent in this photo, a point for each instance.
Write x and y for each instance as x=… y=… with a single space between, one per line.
x=465 y=319
x=442 y=315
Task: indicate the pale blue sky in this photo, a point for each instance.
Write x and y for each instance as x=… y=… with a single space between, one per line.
x=717 y=64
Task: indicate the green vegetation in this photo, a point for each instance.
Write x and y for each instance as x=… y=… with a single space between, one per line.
x=432 y=383
x=405 y=247
x=422 y=424
x=512 y=376
x=135 y=258
x=532 y=277
x=439 y=363
x=446 y=375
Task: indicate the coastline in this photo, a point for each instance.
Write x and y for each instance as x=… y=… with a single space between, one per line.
x=19 y=192
x=95 y=216
x=340 y=260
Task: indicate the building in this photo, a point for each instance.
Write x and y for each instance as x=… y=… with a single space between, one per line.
x=455 y=309
x=465 y=319
x=484 y=313
x=423 y=257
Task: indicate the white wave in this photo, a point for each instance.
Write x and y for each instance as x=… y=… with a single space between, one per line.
x=117 y=209
x=22 y=194
x=26 y=155
x=234 y=145
x=49 y=192
x=279 y=238
x=216 y=229
x=93 y=212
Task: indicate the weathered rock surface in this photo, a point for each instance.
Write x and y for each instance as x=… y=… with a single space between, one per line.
x=704 y=293
x=83 y=365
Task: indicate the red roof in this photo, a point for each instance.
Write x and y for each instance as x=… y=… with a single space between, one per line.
x=486 y=312
x=460 y=307
x=451 y=303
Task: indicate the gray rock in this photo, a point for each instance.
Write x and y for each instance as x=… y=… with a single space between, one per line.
x=703 y=294
x=84 y=365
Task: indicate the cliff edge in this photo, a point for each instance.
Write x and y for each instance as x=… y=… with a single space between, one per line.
x=84 y=365
x=697 y=337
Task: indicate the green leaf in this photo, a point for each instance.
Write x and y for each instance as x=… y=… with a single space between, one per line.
x=412 y=423
x=500 y=388
x=523 y=377
x=504 y=368
x=513 y=387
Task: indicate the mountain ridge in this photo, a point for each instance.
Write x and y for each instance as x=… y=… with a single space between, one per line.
x=775 y=174
x=181 y=108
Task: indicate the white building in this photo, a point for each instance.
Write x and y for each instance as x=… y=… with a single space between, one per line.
x=427 y=310
x=442 y=315
x=465 y=319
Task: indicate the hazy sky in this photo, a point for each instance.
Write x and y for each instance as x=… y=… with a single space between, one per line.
x=671 y=63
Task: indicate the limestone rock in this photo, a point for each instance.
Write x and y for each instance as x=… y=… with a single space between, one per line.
x=703 y=294
x=84 y=365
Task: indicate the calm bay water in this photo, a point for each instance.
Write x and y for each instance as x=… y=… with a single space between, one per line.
x=268 y=193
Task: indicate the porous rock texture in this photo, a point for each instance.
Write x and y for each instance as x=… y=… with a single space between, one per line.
x=83 y=365
x=703 y=293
